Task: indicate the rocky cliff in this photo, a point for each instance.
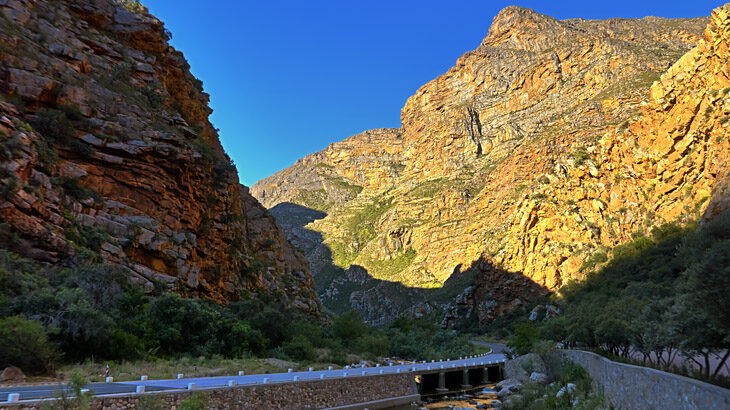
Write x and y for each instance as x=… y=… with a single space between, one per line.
x=535 y=154
x=107 y=155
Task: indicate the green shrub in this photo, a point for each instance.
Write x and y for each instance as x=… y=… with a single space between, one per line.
x=25 y=344
x=377 y=344
x=152 y=92
x=198 y=401
x=71 y=187
x=349 y=326
x=299 y=348
x=9 y=187
x=580 y=156
x=10 y=147
x=525 y=337
x=47 y=154
x=54 y=125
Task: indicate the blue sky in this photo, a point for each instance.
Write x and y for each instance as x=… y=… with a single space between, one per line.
x=287 y=78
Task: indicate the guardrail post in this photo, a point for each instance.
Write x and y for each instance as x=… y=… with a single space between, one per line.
x=329 y=367
x=311 y=368
x=296 y=378
x=363 y=372
x=179 y=376
x=241 y=373
x=231 y=383
x=109 y=379
x=289 y=370
x=321 y=376
x=266 y=380
x=140 y=389
x=191 y=386
x=143 y=378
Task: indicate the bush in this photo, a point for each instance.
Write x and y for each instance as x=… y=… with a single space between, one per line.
x=378 y=344
x=54 y=125
x=198 y=401
x=25 y=344
x=71 y=187
x=299 y=348
x=349 y=326
x=524 y=338
x=9 y=187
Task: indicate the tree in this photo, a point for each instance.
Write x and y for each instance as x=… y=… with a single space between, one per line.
x=524 y=338
x=25 y=344
x=702 y=306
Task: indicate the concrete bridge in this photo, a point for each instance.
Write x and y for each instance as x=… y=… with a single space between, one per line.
x=425 y=378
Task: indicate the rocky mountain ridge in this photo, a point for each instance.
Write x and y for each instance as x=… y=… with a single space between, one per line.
x=108 y=156
x=534 y=155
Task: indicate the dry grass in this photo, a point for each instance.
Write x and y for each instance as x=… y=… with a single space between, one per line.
x=168 y=369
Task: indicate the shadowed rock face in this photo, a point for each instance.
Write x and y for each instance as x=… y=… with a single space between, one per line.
x=107 y=152
x=545 y=145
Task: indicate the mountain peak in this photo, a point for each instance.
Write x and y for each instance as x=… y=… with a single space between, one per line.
x=520 y=28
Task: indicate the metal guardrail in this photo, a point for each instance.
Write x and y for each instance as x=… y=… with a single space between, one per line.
x=182 y=384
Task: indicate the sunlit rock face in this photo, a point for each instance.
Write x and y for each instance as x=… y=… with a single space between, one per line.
x=108 y=154
x=551 y=142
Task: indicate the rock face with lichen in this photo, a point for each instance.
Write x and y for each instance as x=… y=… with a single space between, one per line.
x=539 y=150
x=107 y=155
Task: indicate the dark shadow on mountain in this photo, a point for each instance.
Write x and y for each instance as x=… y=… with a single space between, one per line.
x=287 y=213
x=477 y=294
x=293 y=218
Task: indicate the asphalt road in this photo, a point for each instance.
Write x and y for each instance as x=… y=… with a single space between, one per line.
x=496 y=347
x=35 y=392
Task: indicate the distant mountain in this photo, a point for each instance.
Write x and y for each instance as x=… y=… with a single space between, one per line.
x=518 y=169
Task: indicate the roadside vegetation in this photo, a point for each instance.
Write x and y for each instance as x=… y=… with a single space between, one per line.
x=661 y=300
x=569 y=386
x=52 y=317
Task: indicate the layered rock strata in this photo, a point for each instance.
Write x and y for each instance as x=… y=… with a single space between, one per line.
x=107 y=154
x=545 y=146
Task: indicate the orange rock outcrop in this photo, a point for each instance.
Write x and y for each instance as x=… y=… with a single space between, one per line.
x=545 y=145
x=108 y=155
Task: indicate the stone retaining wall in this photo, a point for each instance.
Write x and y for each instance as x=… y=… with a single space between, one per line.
x=635 y=387
x=314 y=394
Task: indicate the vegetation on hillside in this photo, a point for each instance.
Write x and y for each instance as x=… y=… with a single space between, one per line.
x=657 y=297
x=54 y=315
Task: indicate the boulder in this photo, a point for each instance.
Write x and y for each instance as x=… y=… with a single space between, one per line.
x=13 y=374
x=522 y=367
x=508 y=384
x=541 y=378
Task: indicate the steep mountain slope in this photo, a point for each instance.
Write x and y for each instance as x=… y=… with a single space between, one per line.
x=108 y=155
x=533 y=155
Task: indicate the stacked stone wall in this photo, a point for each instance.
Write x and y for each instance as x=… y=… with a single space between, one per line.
x=635 y=387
